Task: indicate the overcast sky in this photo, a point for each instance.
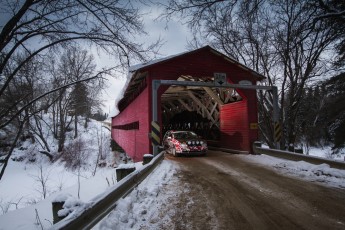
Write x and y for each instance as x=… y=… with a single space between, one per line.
x=175 y=36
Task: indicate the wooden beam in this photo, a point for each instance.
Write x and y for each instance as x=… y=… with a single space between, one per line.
x=213 y=95
x=204 y=109
x=185 y=105
x=214 y=107
x=229 y=97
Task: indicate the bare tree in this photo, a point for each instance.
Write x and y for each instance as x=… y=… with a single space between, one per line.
x=75 y=156
x=103 y=146
x=277 y=38
x=34 y=28
x=42 y=178
x=333 y=13
x=40 y=135
x=5 y=206
x=77 y=64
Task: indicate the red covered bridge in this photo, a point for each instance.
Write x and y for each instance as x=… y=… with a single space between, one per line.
x=227 y=117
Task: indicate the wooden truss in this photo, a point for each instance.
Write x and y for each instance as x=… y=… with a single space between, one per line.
x=205 y=101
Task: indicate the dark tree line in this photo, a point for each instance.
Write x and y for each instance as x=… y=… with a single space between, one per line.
x=334 y=110
x=99 y=116
x=321 y=119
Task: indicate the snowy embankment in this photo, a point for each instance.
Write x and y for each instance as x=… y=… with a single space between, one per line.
x=130 y=211
x=141 y=207
x=31 y=181
x=322 y=173
x=27 y=218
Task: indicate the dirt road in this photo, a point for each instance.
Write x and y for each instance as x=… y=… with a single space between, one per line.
x=223 y=191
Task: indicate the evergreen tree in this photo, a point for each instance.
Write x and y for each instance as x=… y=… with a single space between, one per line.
x=335 y=109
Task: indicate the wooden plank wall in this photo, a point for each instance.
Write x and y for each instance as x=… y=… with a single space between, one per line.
x=135 y=142
x=234 y=126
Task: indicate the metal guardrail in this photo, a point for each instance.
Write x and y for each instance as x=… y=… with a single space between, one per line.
x=228 y=150
x=297 y=156
x=98 y=209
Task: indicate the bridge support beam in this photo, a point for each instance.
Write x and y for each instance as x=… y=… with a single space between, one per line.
x=156 y=84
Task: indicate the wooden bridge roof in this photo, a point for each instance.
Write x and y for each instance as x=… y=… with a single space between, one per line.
x=138 y=73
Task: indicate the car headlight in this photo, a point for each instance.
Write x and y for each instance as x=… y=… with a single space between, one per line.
x=189 y=142
x=197 y=142
x=201 y=142
x=184 y=146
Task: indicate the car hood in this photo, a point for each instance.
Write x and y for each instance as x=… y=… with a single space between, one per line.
x=193 y=139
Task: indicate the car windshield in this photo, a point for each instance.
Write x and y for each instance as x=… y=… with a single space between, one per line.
x=185 y=135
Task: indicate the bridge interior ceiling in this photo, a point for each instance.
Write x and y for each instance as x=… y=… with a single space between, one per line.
x=195 y=108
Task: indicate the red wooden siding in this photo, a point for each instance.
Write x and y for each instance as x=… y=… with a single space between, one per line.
x=234 y=126
x=135 y=142
x=201 y=64
x=235 y=119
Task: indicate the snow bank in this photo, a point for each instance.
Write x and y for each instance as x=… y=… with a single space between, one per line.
x=319 y=173
x=142 y=204
x=71 y=205
x=126 y=166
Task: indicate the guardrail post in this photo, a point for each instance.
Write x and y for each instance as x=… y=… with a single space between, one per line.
x=147 y=158
x=123 y=170
x=57 y=206
x=256 y=144
x=299 y=150
x=277 y=134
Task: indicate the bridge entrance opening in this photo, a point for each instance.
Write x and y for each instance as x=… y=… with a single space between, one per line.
x=195 y=108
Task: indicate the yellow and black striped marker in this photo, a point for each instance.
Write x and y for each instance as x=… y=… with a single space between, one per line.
x=155 y=133
x=277 y=132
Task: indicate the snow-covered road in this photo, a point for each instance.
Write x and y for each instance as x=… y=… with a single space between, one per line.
x=225 y=191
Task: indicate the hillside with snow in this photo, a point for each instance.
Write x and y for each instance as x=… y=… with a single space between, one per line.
x=32 y=176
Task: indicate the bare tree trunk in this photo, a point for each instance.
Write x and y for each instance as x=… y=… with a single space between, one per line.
x=100 y=150
x=5 y=161
x=38 y=131
x=75 y=126
x=62 y=133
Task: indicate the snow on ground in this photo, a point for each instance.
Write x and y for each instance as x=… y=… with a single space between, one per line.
x=326 y=152
x=322 y=173
x=22 y=205
x=143 y=203
x=130 y=211
x=22 y=182
x=31 y=181
x=134 y=211
x=25 y=218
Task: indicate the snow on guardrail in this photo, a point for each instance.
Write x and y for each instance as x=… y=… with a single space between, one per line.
x=297 y=156
x=91 y=213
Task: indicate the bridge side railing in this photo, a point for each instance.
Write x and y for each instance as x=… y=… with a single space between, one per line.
x=99 y=208
x=296 y=156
